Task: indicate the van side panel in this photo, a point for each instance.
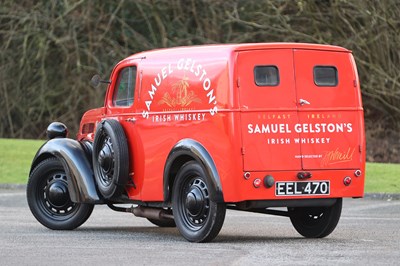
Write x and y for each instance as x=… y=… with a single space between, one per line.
x=184 y=96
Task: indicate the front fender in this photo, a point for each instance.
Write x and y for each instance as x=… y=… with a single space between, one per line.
x=80 y=178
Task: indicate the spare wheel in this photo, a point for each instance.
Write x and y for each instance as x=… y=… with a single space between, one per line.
x=110 y=158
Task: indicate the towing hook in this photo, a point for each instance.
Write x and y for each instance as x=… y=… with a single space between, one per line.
x=304 y=175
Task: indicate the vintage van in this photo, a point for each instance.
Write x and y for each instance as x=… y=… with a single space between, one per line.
x=186 y=133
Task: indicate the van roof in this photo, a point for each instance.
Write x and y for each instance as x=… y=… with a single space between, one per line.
x=228 y=48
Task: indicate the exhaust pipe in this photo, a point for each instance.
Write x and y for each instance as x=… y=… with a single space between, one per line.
x=152 y=213
x=146 y=212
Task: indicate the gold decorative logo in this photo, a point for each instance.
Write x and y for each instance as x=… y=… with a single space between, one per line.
x=182 y=96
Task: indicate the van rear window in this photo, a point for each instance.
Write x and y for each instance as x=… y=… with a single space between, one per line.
x=266 y=76
x=325 y=76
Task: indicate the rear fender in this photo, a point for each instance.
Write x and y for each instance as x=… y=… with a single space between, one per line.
x=80 y=178
x=188 y=150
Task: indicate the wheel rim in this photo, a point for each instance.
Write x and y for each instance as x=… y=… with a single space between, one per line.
x=195 y=203
x=106 y=161
x=313 y=216
x=53 y=196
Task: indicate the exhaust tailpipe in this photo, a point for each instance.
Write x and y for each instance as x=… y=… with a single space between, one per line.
x=152 y=213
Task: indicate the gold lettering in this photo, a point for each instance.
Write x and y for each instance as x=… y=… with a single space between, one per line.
x=336 y=156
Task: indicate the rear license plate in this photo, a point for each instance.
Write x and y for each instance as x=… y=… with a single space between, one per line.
x=302 y=188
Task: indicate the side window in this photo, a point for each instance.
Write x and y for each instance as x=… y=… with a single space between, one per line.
x=266 y=76
x=325 y=76
x=125 y=87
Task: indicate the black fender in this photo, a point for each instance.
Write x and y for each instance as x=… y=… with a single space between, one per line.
x=188 y=150
x=80 y=178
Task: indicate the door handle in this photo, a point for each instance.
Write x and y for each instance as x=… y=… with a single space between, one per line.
x=132 y=120
x=303 y=102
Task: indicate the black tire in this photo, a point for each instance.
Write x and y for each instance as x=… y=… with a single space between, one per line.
x=48 y=197
x=316 y=222
x=110 y=159
x=162 y=223
x=197 y=217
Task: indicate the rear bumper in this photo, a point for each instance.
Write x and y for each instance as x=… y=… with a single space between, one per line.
x=287 y=186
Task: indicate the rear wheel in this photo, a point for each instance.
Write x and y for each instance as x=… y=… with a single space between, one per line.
x=197 y=217
x=48 y=198
x=316 y=222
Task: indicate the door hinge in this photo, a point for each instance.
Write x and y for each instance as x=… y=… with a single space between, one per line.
x=243 y=150
x=238 y=82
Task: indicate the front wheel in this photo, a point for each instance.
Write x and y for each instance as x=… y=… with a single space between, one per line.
x=316 y=222
x=48 y=197
x=197 y=217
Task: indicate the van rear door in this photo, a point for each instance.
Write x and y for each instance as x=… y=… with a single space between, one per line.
x=329 y=109
x=268 y=110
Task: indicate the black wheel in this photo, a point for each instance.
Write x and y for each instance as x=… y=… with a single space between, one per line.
x=48 y=198
x=163 y=223
x=197 y=217
x=316 y=222
x=110 y=159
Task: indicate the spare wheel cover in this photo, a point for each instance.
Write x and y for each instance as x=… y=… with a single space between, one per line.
x=110 y=158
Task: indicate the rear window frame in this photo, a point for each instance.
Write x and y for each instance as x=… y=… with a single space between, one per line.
x=266 y=85
x=325 y=85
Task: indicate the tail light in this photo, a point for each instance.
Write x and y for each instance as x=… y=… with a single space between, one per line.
x=347 y=181
x=257 y=182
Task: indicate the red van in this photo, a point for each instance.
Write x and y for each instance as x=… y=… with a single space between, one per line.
x=187 y=132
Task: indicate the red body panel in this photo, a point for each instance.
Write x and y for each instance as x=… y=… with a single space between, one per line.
x=208 y=94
